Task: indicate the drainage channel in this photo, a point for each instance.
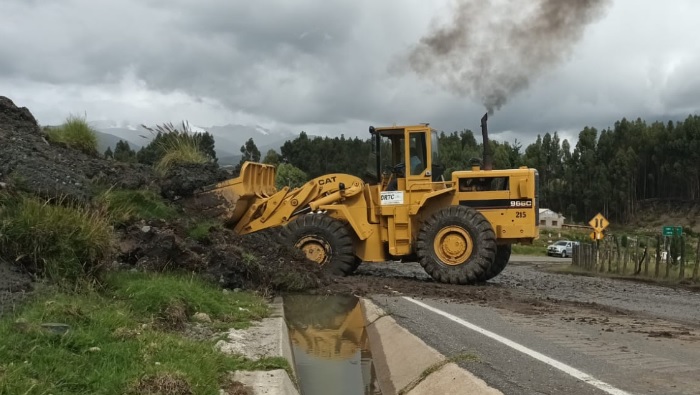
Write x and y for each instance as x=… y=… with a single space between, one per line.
x=329 y=345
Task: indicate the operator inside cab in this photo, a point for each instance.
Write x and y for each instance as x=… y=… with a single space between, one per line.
x=416 y=167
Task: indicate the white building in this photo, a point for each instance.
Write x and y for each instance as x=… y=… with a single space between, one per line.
x=550 y=219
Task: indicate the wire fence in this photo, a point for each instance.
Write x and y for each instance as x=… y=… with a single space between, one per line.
x=655 y=257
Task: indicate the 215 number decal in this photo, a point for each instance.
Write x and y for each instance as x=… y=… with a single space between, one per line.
x=520 y=214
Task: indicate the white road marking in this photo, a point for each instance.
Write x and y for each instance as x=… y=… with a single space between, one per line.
x=534 y=354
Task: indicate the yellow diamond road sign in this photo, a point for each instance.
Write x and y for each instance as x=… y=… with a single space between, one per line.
x=599 y=222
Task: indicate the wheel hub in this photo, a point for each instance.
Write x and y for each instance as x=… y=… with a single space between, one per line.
x=453 y=245
x=315 y=249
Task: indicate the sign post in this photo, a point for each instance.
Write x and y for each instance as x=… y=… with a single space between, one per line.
x=598 y=223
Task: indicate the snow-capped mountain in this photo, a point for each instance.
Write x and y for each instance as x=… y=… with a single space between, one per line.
x=228 y=138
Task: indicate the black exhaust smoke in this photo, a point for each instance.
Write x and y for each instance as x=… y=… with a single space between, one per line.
x=491 y=50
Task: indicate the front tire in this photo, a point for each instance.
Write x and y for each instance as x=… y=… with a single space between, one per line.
x=500 y=262
x=324 y=240
x=456 y=245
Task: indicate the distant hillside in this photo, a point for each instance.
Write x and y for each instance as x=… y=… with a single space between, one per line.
x=656 y=213
x=105 y=140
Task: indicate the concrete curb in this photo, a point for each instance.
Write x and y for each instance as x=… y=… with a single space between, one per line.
x=267 y=338
x=406 y=365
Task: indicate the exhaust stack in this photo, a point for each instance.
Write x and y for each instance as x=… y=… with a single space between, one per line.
x=488 y=161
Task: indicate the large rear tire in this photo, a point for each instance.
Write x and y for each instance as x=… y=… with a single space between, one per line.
x=456 y=245
x=500 y=262
x=324 y=240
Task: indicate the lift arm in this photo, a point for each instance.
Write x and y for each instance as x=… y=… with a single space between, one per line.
x=252 y=203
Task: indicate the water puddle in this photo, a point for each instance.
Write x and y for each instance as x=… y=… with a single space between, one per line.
x=330 y=345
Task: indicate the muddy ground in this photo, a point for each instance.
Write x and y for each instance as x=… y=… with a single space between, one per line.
x=531 y=289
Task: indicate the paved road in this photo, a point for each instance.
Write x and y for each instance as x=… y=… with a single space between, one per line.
x=644 y=340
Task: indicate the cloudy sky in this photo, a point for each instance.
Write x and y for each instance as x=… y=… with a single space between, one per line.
x=331 y=67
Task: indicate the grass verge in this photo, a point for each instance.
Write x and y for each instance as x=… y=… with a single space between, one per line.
x=60 y=242
x=526 y=249
x=126 y=205
x=75 y=133
x=116 y=343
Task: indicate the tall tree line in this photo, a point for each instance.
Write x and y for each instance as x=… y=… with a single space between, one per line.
x=613 y=170
x=609 y=171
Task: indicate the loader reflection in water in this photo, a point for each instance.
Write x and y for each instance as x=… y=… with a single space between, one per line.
x=330 y=346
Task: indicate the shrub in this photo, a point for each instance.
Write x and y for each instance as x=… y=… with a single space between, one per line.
x=181 y=147
x=75 y=133
x=61 y=242
x=127 y=205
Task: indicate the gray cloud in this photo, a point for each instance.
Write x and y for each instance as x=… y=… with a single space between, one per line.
x=492 y=50
x=324 y=67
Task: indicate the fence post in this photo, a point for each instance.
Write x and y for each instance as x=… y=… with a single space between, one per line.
x=604 y=256
x=697 y=262
x=646 y=261
x=668 y=260
x=617 y=260
x=681 y=271
x=635 y=254
x=589 y=257
x=658 y=256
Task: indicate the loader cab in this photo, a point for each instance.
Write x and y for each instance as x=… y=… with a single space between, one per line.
x=404 y=157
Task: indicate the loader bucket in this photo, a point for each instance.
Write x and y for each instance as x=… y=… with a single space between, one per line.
x=235 y=196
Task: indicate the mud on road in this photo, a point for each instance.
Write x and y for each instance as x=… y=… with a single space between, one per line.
x=527 y=289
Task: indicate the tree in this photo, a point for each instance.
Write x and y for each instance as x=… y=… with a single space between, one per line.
x=289 y=175
x=207 y=144
x=109 y=153
x=272 y=158
x=124 y=153
x=250 y=152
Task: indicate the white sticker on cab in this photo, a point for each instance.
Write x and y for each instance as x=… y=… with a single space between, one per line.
x=391 y=197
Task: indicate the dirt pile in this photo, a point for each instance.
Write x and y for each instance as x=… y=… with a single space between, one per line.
x=183 y=180
x=30 y=163
x=258 y=261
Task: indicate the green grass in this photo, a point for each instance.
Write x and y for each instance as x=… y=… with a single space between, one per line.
x=62 y=242
x=200 y=230
x=115 y=344
x=126 y=205
x=75 y=133
x=526 y=249
x=154 y=294
x=181 y=147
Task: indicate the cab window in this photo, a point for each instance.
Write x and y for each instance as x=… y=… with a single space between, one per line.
x=417 y=153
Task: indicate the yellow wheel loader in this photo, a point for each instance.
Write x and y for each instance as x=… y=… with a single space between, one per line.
x=461 y=230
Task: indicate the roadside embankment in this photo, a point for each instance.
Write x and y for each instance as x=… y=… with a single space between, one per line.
x=408 y=366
